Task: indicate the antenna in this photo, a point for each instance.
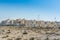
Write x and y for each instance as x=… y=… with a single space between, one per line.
x=38 y=17
x=55 y=19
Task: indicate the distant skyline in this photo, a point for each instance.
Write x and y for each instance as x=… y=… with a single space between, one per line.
x=47 y=10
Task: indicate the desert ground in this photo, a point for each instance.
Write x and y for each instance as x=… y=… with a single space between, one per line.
x=28 y=33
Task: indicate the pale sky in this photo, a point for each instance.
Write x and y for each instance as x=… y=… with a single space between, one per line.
x=30 y=9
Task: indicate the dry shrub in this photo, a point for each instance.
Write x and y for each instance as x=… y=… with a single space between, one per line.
x=9 y=39
x=18 y=39
x=32 y=38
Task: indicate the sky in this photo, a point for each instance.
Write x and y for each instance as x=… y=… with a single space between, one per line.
x=47 y=10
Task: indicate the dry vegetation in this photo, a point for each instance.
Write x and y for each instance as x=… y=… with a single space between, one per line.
x=28 y=33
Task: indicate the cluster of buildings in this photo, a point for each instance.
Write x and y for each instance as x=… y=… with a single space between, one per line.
x=29 y=23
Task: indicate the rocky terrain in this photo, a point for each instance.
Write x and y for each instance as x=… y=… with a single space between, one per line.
x=28 y=33
x=22 y=29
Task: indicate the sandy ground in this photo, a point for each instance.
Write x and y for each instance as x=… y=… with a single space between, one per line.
x=16 y=33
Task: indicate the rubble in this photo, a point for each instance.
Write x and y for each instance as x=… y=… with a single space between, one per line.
x=22 y=29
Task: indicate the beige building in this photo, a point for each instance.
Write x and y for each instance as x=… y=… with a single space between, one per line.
x=29 y=23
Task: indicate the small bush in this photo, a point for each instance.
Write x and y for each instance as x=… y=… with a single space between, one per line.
x=5 y=36
x=56 y=39
x=8 y=32
x=47 y=39
x=24 y=32
x=9 y=39
x=18 y=39
x=32 y=38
